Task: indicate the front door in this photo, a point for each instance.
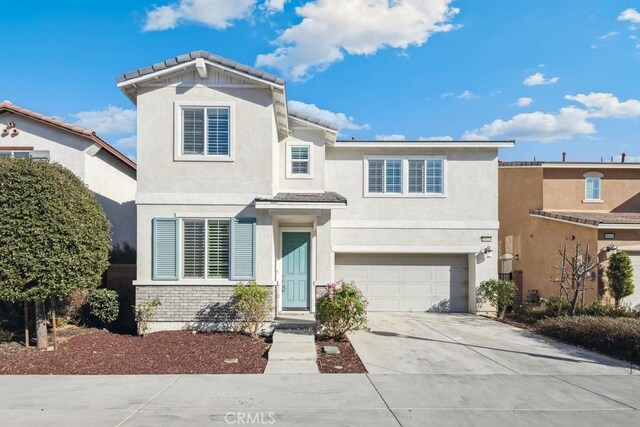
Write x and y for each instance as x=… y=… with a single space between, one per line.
x=295 y=270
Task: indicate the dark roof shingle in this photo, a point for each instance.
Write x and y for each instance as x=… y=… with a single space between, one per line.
x=592 y=218
x=326 y=197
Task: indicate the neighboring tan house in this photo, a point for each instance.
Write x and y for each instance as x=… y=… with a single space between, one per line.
x=233 y=187
x=545 y=205
x=107 y=172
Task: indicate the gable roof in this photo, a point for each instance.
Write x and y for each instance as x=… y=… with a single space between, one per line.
x=8 y=107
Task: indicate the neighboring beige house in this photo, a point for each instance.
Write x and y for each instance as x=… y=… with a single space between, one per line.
x=234 y=187
x=107 y=172
x=545 y=205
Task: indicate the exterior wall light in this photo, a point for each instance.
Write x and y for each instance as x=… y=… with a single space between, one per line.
x=613 y=249
x=488 y=252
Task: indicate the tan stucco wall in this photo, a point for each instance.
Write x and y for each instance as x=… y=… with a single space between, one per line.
x=564 y=190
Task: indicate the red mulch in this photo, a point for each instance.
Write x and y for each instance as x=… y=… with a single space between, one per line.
x=172 y=352
x=347 y=362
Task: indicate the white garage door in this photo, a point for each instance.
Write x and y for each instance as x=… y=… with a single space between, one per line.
x=408 y=282
x=633 y=301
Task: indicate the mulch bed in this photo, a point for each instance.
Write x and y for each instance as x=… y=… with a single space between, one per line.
x=347 y=362
x=171 y=352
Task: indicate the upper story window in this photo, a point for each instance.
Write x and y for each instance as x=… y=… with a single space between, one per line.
x=33 y=154
x=299 y=164
x=593 y=187
x=410 y=176
x=204 y=132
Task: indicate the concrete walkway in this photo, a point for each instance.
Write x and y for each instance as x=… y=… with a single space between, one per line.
x=430 y=343
x=321 y=400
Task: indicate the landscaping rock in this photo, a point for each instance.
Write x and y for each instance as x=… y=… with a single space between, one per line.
x=330 y=349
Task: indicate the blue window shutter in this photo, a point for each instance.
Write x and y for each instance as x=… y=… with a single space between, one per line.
x=243 y=249
x=165 y=249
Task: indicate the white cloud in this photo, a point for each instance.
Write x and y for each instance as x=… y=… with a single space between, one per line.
x=608 y=35
x=275 y=5
x=217 y=14
x=537 y=126
x=111 y=120
x=607 y=105
x=467 y=94
x=341 y=120
x=332 y=28
x=436 y=138
x=392 y=137
x=525 y=101
x=447 y=95
x=126 y=142
x=537 y=79
x=630 y=15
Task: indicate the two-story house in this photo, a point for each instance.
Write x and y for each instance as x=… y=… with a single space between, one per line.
x=547 y=205
x=106 y=171
x=234 y=187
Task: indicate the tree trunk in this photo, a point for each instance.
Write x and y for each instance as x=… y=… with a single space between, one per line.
x=41 y=326
x=26 y=324
x=617 y=302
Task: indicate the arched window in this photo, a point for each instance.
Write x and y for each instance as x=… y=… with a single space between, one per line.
x=592 y=186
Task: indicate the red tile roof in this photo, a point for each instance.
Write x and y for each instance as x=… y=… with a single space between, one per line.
x=9 y=107
x=592 y=218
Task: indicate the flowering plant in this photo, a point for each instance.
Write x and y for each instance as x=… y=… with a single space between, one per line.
x=341 y=309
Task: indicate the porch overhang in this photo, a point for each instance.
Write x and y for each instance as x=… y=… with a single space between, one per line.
x=601 y=221
x=291 y=202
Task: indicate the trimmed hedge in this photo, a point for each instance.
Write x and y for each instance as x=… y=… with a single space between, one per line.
x=619 y=337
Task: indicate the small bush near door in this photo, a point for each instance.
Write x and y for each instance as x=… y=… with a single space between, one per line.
x=500 y=293
x=341 y=309
x=252 y=303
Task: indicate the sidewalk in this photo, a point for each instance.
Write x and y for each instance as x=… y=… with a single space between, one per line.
x=322 y=400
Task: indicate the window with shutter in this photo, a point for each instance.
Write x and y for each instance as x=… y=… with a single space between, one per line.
x=416 y=176
x=165 y=249
x=376 y=176
x=206 y=131
x=409 y=176
x=193 y=247
x=434 y=177
x=218 y=248
x=243 y=257
x=218 y=131
x=300 y=160
x=193 y=131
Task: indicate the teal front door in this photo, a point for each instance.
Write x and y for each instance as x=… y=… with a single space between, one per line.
x=295 y=270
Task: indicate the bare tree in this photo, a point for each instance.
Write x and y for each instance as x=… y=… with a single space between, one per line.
x=574 y=270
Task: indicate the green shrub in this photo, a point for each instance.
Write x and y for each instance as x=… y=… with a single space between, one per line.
x=5 y=336
x=122 y=254
x=144 y=312
x=605 y=310
x=104 y=306
x=251 y=301
x=619 y=337
x=341 y=309
x=500 y=293
x=620 y=276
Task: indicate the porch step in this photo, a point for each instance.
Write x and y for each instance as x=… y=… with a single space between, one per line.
x=291 y=367
x=293 y=336
x=293 y=320
x=293 y=351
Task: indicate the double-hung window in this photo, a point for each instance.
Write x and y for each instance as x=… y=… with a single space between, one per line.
x=410 y=176
x=205 y=132
x=205 y=251
x=593 y=192
x=300 y=160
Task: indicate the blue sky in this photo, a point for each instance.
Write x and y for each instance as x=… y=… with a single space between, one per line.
x=554 y=75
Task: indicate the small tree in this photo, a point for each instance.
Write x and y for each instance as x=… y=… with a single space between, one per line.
x=252 y=302
x=500 y=293
x=574 y=269
x=341 y=309
x=620 y=276
x=54 y=236
x=144 y=312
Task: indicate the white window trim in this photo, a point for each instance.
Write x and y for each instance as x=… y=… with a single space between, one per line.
x=177 y=132
x=586 y=176
x=289 y=161
x=405 y=177
x=206 y=279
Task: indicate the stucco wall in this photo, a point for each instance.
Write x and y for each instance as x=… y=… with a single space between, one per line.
x=252 y=120
x=292 y=183
x=113 y=183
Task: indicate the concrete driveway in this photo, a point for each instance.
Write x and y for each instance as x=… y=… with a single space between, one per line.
x=434 y=343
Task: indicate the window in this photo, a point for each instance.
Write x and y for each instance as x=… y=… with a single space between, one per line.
x=205 y=132
x=300 y=160
x=205 y=249
x=593 y=186
x=424 y=176
x=33 y=154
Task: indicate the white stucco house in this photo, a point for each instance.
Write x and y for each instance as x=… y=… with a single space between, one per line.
x=107 y=172
x=234 y=187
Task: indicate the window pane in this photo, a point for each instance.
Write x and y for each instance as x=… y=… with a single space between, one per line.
x=21 y=154
x=218 y=250
x=376 y=176
x=193 y=131
x=193 y=242
x=300 y=167
x=300 y=153
x=435 y=177
x=593 y=188
x=393 y=176
x=5 y=153
x=416 y=176
x=218 y=133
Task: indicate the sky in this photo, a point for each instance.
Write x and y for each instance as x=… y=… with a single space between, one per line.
x=555 y=75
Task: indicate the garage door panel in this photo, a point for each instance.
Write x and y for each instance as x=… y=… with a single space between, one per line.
x=408 y=282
